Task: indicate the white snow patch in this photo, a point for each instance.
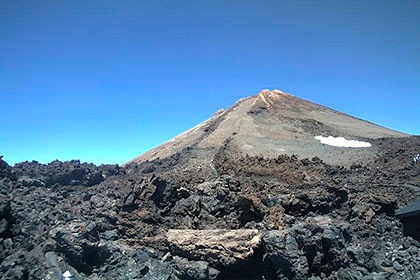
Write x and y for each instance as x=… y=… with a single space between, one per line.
x=67 y=275
x=342 y=142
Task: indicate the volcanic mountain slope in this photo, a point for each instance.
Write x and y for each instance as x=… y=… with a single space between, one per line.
x=206 y=206
x=273 y=123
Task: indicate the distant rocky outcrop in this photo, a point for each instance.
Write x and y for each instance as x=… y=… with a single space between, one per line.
x=72 y=173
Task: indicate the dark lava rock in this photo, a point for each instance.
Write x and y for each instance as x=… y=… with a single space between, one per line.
x=63 y=173
x=79 y=243
x=187 y=269
x=316 y=246
x=5 y=170
x=312 y=220
x=5 y=217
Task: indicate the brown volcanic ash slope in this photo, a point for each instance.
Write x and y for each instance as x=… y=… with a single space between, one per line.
x=273 y=123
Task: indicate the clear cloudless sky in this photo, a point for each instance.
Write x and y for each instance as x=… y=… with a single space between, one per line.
x=103 y=81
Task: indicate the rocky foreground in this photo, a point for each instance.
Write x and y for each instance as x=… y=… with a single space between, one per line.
x=249 y=218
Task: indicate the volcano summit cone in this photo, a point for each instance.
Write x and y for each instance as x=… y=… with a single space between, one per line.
x=272 y=123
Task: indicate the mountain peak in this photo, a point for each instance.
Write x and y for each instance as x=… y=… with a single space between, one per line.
x=271 y=92
x=268 y=97
x=269 y=124
x=275 y=93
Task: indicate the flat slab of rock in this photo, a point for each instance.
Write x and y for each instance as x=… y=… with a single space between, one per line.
x=218 y=247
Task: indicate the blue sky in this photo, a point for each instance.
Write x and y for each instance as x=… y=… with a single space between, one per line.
x=103 y=81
